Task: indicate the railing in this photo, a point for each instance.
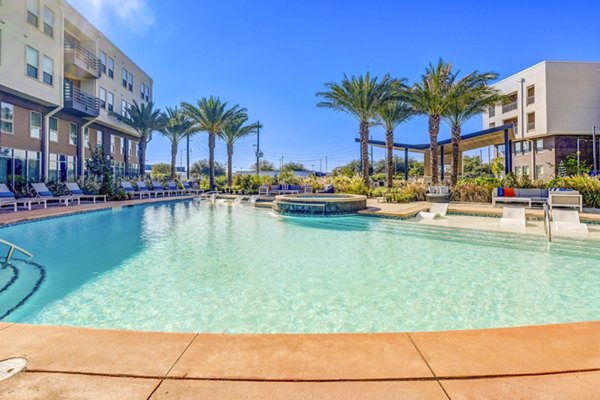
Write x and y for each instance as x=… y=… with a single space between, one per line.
x=91 y=61
x=11 y=249
x=547 y=223
x=509 y=107
x=530 y=100
x=81 y=100
x=530 y=126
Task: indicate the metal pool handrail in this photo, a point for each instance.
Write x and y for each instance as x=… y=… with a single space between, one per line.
x=547 y=223
x=11 y=249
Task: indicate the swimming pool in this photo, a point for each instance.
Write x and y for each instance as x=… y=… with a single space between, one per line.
x=232 y=268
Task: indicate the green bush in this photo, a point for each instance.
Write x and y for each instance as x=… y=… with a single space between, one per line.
x=403 y=195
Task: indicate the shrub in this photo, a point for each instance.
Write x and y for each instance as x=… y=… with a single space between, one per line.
x=587 y=186
x=403 y=195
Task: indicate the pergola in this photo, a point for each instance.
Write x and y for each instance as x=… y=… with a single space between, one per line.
x=488 y=137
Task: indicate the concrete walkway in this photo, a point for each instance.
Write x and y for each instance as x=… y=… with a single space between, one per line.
x=550 y=362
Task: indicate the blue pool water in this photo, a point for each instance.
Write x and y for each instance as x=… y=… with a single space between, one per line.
x=230 y=268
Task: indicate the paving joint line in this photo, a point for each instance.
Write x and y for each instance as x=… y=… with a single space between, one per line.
x=428 y=366
x=181 y=355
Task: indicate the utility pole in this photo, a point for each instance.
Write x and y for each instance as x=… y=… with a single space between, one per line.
x=372 y=164
x=187 y=167
x=594 y=149
x=320 y=165
x=325 y=165
x=258 y=148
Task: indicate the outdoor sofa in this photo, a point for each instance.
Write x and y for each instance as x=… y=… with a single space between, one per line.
x=515 y=195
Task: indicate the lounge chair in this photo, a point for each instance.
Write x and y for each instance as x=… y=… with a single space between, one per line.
x=308 y=189
x=513 y=216
x=142 y=187
x=173 y=187
x=130 y=189
x=77 y=192
x=159 y=188
x=327 y=189
x=436 y=210
x=263 y=191
x=43 y=192
x=7 y=198
x=188 y=188
x=567 y=221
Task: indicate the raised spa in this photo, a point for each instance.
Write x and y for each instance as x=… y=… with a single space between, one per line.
x=319 y=204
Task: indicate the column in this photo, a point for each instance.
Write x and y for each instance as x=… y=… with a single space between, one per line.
x=405 y=163
x=442 y=162
x=507 y=163
x=126 y=156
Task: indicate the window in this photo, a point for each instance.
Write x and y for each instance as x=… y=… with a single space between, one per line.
x=122 y=145
x=518 y=171
x=525 y=169
x=48 y=22
x=539 y=145
x=86 y=137
x=492 y=124
x=501 y=150
x=111 y=67
x=124 y=109
x=147 y=93
x=530 y=121
x=33 y=12
x=130 y=81
x=73 y=134
x=99 y=138
x=134 y=148
x=539 y=171
x=53 y=129
x=491 y=112
x=124 y=77
x=33 y=61
x=112 y=143
x=6 y=118
x=48 y=70
x=103 y=61
x=531 y=95
x=103 y=98
x=111 y=101
x=517 y=147
x=35 y=125
x=142 y=91
x=526 y=146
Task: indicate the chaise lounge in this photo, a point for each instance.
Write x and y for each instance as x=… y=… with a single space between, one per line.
x=76 y=191
x=130 y=189
x=42 y=191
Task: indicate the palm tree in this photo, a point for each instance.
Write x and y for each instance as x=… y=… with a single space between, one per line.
x=390 y=115
x=431 y=97
x=144 y=119
x=360 y=97
x=470 y=96
x=211 y=115
x=177 y=126
x=233 y=130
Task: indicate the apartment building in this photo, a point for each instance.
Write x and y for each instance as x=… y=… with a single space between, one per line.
x=553 y=107
x=64 y=88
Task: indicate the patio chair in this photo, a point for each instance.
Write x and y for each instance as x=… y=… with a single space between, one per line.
x=142 y=187
x=263 y=191
x=76 y=191
x=173 y=187
x=513 y=216
x=567 y=221
x=437 y=210
x=159 y=188
x=42 y=191
x=327 y=189
x=7 y=198
x=188 y=188
x=130 y=189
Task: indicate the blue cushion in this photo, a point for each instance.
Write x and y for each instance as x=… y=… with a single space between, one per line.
x=187 y=185
x=500 y=192
x=6 y=194
x=128 y=189
x=45 y=194
x=76 y=191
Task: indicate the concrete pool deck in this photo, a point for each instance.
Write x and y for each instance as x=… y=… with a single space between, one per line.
x=550 y=362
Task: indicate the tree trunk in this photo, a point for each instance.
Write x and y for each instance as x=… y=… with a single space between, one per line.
x=389 y=144
x=434 y=130
x=173 y=159
x=456 y=130
x=229 y=164
x=142 y=146
x=211 y=160
x=364 y=151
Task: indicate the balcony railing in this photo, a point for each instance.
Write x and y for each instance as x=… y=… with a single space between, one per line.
x=81 y=102
x=530 y=126
x=91 y=62
x=509 y=107
x=530 y=100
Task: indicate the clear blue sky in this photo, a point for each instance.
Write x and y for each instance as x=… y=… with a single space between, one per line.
x=273 y=56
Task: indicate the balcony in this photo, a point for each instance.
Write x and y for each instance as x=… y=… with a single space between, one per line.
x=80 y=63
x=531 y=126
x=81 y=103
x=509 y=106
x=530 y=100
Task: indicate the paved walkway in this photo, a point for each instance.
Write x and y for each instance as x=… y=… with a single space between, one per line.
x=550 y=362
